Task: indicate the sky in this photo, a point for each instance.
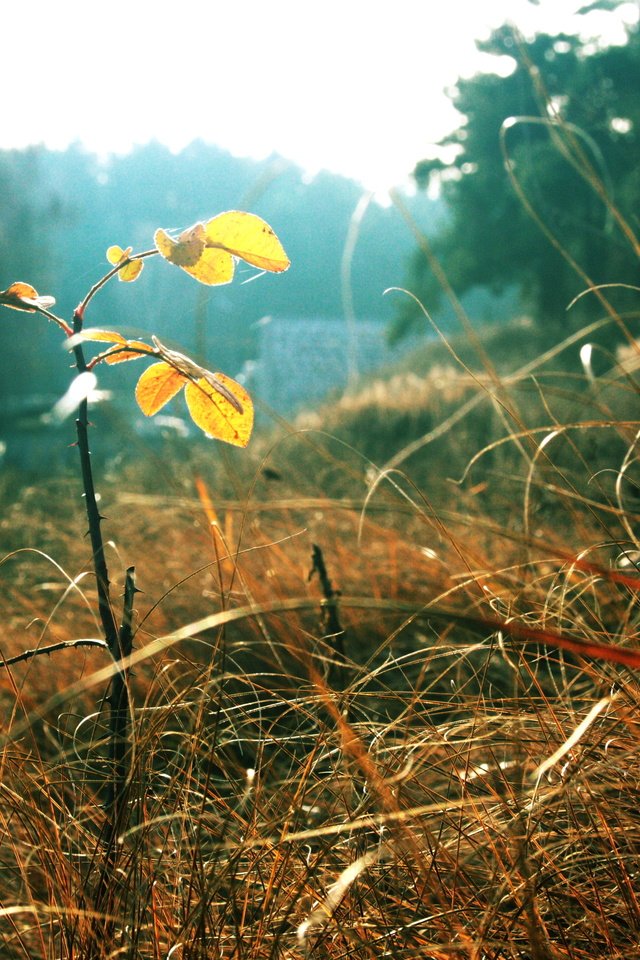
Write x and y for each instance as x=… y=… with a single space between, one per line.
x=352 y=86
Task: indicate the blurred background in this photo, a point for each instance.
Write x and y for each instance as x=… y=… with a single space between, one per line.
x=368 y=137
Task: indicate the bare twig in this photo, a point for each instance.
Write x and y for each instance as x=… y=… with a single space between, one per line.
x=330 y=619
x=52 y=648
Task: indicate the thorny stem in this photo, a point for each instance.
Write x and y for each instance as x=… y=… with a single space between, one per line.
x=118 y=640
x=332 y=621
x=120 y=701
x=91 y=505
x=119 y=644
x=120 y=762
x=52 y=648
x=58 y=320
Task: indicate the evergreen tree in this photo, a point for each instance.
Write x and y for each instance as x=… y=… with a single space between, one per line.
x=571 y=147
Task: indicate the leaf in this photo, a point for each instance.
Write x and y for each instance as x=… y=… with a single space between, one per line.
x=213 y=412
x=158 y=384
x=187 y=367
x=80 y=389
x=95 y=333
x=131 y=269
x=213 y=268
x=116 y=254
x=249 y=237
x=217 y=404
x=186 y=250
x=190 y=253
x=119 y=355
x=208 y=251
x=22 y=296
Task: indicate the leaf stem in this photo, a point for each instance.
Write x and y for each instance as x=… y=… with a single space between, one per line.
x=125 y=348
x=80 y=309
x=64 y=326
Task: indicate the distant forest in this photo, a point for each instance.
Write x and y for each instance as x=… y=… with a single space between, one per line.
x=61 y=210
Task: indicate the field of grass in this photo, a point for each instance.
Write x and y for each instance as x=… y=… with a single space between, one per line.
x=431 y=752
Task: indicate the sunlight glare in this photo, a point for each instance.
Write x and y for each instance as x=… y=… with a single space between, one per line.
x=346 y=87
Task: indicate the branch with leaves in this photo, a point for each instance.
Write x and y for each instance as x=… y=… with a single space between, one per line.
x=218 y=405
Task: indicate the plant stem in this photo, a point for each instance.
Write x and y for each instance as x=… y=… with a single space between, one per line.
x=118 y=641
x=331 y=620
x=52 y=648
x=105 y=279
x=120 y=704
x=91 y=505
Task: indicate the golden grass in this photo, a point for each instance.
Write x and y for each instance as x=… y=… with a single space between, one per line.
x=419 y=787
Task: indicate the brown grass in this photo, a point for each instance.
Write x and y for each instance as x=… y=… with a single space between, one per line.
x=438 y=790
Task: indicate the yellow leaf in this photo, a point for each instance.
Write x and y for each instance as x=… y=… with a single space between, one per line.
x=217 y=404
x=212 y=410
x=108 y=336
x=249 y=237
x=116 y=254
x=158 y=384
x=130 y=270
x=208 y=252
x=214 y=267
x=118 y=355
x=186 y=250
x=22 y=296
x=193 y=371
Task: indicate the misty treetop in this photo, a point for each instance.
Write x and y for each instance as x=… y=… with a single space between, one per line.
x=545 y=170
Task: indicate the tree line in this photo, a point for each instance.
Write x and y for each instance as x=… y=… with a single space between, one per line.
x=541 y=180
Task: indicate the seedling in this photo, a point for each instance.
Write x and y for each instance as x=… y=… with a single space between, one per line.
x=218 y=405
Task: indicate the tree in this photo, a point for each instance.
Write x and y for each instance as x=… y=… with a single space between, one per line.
x=557 y=182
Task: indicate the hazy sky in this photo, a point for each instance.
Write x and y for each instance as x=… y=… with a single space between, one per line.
x=355 y=86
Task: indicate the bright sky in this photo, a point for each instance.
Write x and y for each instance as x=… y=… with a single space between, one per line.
x=354 y=86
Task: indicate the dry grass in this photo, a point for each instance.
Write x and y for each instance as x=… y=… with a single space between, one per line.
x=420 y=787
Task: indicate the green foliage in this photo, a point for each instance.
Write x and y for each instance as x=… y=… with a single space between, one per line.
x=547 y=153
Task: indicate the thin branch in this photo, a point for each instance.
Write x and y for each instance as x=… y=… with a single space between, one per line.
x=91 y=505
x=52 y=648
x=120 y=705
x=64 y=326
x=101 y=282
x=331 y=620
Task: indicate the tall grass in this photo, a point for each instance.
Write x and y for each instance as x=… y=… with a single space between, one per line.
x=430 y=750
x=436 y=784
